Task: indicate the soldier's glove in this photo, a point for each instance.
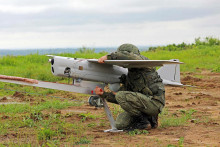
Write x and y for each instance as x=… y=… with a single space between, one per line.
x=147 y=91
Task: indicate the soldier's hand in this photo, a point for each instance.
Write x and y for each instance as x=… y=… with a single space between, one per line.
x=98 y=91
x=102 y=59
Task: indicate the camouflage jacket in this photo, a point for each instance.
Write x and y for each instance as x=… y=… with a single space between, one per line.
x=142 y=80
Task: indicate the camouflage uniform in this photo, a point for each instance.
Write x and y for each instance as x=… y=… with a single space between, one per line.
x=142 y=91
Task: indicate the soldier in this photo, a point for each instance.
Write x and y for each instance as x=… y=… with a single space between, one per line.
x=142 y=94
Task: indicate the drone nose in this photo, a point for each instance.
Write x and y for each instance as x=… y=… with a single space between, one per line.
x=51 y=61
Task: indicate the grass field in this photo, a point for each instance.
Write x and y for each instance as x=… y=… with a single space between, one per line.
x=202 y=57
x=38 y=121
x=36 y=66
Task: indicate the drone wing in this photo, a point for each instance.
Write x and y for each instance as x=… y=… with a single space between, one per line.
x=85 y=87
x=137 y=63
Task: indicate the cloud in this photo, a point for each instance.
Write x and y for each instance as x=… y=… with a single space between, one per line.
x=67 y=17
x=22 y=10
x=94 y=35
x=58 y=23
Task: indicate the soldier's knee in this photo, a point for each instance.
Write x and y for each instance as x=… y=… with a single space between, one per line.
x=120 y=97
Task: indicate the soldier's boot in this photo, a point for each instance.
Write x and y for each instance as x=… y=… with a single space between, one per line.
x=142 y=122
x=154 y=121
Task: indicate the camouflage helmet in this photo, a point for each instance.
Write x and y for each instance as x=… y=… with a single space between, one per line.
x=129 y=48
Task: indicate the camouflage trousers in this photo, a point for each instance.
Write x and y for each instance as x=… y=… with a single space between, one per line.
x=134 y=104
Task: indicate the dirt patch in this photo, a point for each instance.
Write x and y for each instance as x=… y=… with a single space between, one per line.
x=18 y=94
x=190 y=79
x=3 y=99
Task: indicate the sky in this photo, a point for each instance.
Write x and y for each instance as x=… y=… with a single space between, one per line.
x=105 y=23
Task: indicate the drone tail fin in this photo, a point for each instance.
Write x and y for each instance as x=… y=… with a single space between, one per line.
x=170 y=74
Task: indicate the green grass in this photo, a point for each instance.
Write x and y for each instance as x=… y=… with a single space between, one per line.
x=83 y=140
x=178 y=119
x=86 y=116
x=203 y=57
x=31 y=66
x=19 y=108
x=46 y=134
x=46 y=128
x=137 y=132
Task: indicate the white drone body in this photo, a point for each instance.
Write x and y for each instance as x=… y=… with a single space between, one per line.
x=87 y=72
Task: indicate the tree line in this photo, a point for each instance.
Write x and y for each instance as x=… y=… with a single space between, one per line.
x=207 y=41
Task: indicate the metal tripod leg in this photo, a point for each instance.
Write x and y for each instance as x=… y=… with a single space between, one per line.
x=110 y=118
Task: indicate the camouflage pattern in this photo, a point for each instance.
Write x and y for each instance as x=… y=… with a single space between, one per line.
x=128 y=48
x=124 y=121
x=142 y=90
x=135 y=103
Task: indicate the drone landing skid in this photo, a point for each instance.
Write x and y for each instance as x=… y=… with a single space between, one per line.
x=113 y=130
x=110 y=118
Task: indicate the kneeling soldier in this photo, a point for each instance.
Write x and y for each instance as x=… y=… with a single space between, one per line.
x=142 y=94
